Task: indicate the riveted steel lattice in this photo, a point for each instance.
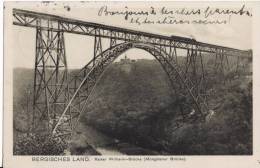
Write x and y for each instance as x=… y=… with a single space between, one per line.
x=58 y=101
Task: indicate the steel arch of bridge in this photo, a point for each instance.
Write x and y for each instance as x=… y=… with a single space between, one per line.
x=58 y=101
x=90 y=74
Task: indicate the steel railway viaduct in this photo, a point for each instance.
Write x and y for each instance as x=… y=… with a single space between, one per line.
x=59 y=98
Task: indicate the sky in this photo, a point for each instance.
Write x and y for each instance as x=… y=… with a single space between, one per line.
x=79 y=49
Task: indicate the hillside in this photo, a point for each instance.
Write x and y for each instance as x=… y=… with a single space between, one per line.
x=134 y=103
x=138 y=106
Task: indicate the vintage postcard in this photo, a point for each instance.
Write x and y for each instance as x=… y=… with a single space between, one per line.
x=131 y=84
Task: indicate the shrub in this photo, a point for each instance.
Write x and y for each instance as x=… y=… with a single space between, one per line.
x=35 y=144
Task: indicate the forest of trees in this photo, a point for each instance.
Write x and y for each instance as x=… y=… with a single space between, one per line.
x=135 y=103
x=139 y=107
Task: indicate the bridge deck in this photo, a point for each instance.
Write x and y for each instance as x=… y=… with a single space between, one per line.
x=58 y=23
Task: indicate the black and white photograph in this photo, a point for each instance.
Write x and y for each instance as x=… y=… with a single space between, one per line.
x=129 y=79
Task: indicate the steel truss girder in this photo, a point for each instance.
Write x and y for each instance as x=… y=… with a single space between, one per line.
x=97 y=44
x=35 y=19
x=58 y=103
